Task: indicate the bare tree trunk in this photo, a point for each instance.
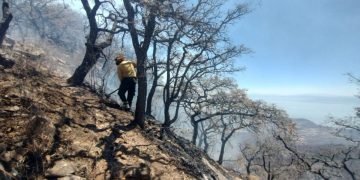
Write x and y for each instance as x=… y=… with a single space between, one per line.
x=141 y=55
x=152 y=92
x=248 y=165
x=222 y=150
x=224 y=139
x=154 y=83
x=142 y=91
x=93 y=49
x=195 y=131
x=88 y=62
x=206 y=143
x=5 y=22
x=92 y=54
x=166 y=125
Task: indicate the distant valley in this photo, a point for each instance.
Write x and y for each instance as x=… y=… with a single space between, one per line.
x=311 y=134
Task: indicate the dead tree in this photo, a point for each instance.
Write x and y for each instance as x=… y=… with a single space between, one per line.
x=5 y=21
x=93 y=48
x=157 y=71
x=193 y=50
x=250 y=153
x=246 y=115
x=327 y=164
x=198 y=100
x=229 y=126
x=207 y=134
x=51 y=21
x=141 y=48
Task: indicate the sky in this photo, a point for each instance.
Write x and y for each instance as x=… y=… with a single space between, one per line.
x=302 y=50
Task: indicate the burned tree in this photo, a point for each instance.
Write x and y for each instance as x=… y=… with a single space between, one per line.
x=269 y=158
x=208 y=133
x=51 y=21
x=93 y=47
x=249 y=155
x=5 y=21
x=195 y=47
x=157 y=71
x=148 y=19
x=199 y=101
x=245 y=114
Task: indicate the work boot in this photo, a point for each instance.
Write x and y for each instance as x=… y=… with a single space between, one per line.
x=125 y=106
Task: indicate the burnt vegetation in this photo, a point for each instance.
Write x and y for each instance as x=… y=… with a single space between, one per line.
x=58 y=117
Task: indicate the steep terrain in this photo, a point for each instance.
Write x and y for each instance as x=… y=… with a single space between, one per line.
x=50 y=130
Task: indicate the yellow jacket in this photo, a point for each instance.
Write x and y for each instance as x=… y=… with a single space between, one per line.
x=126 y=69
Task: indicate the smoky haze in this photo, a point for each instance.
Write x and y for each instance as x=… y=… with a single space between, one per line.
x=190 y=62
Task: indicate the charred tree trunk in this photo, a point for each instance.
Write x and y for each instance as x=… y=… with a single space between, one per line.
x=141 y=55
x=92 y=50
x=224 y=139
x=5 y=22
x=248 y=171
x=88 y=62
x=222 y=150
x=166 y=125
x=195 y=125
x=151 y=95
x=154 y=83
x=142 y=91
x=92 y=54
x=195 y=131
x=205 y=138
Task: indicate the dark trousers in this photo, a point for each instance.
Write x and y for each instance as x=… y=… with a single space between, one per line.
x=127 y=85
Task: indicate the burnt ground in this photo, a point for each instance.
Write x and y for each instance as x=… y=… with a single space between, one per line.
x=51 y=130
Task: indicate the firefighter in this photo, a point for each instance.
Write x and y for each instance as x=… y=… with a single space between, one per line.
x=127 y=76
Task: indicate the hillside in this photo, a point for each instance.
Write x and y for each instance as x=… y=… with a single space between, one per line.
x=51 y=130
x=311 y=134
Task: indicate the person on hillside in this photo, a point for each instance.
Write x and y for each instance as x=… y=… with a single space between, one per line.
x=127 y=76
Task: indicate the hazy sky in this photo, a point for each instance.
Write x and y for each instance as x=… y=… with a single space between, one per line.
x=302 y=49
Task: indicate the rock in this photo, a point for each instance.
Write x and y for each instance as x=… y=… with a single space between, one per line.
x=48 y=158
x=61 y=168
x=71 y=177
x=12 y=108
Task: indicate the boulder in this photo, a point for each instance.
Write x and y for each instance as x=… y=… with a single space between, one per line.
x=62 y=168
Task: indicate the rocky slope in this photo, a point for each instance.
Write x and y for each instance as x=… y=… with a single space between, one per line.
x=49 y=130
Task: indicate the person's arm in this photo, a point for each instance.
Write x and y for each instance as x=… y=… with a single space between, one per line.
x=120 y=76
x=134 y=64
